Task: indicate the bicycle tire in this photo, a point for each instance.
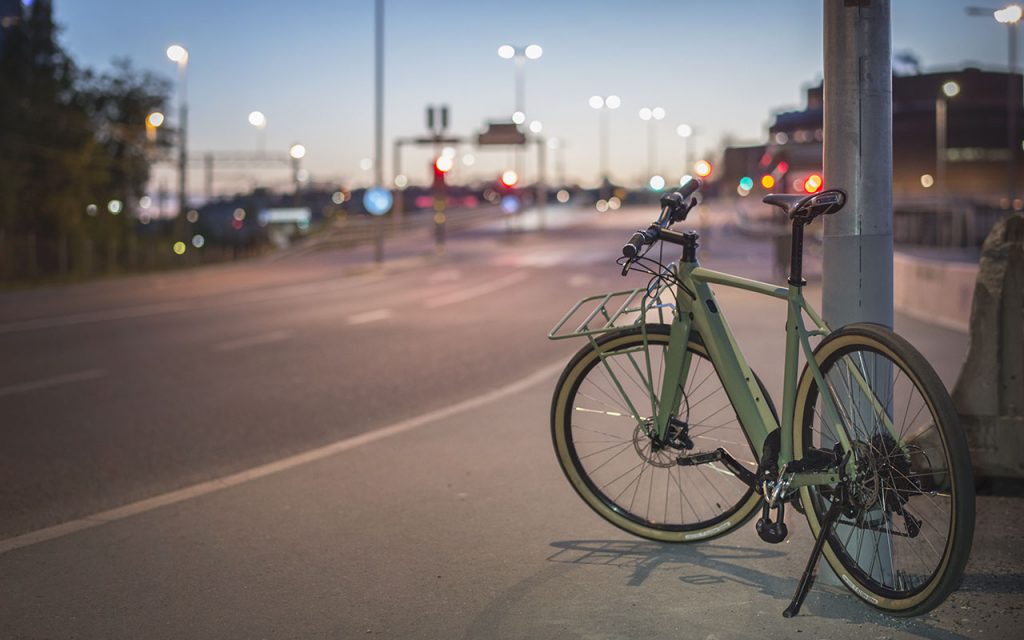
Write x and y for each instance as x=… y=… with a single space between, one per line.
x=910 y=564
x=711 y=501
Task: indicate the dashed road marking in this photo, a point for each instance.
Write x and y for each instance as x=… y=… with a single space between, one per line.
x=253 y=341
x=25 y=387
x=474 y=292
x=370 y=316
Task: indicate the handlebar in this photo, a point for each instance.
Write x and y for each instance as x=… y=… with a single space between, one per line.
x=674 y=208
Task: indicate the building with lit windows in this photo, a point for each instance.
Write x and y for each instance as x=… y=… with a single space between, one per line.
x=976 y=150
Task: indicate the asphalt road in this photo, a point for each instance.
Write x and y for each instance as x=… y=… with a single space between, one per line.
x=120 y=390
x=442 y=514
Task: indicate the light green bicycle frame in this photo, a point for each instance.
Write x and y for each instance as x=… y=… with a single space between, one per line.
x=695 y=309
x=702 y=314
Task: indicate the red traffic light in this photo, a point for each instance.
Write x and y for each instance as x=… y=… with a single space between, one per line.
x=444 y=164
x=509 y=179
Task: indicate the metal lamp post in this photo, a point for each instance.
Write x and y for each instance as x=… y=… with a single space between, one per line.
x=179 y=55
x=1010 y=16
x=259 y=122
x=651 y=115
x=687 y=133
x=949 y=90
x=520 y=54
x=603 y=104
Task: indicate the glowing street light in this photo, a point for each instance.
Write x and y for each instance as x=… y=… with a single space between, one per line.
x=179 y=55
x=686 y=132
x=949 y=90
x=259 y=121
x=1009 y=15
x=651 y=115
x=153 y=122
x=297 y=152
x=520 y=54
x=603 y=104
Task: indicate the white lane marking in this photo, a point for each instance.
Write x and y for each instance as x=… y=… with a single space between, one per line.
x=96 y=316
x=444 y=275
x=580 y=280
x=25 y=387
x=252 y=341
x=473 y=292
x=210 y=486
x=370 y=316
x=272 y=294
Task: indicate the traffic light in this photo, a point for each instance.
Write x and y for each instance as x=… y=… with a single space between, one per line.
x=509 y=179
x=702 y=168
x=442 y=165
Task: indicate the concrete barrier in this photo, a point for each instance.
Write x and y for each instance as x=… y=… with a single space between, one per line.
x=935 y=291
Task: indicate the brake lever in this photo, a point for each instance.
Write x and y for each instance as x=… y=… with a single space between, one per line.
x=625 y=267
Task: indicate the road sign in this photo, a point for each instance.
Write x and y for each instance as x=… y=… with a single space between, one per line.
x=501 y=133
x=377 y=201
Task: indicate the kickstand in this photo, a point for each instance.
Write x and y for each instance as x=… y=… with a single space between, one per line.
x=805 y=581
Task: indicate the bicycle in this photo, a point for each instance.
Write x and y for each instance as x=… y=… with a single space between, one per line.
x=662 y=428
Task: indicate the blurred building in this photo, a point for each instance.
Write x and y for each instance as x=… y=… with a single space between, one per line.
x=977 y=144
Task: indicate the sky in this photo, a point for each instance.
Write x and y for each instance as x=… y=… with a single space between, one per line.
x=722 y=67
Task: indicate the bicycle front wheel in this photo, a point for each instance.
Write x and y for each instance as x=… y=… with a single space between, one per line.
x=611 y=458
x=904 y=534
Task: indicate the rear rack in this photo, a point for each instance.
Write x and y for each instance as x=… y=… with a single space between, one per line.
x=614 y=311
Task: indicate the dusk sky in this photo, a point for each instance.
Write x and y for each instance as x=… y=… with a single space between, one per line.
x=722 y=67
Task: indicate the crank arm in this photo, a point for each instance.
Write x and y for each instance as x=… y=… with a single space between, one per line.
x=746 y=476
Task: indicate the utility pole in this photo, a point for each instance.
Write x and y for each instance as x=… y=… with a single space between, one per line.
x=858 y=158
x=857 y=270
x=378 y=134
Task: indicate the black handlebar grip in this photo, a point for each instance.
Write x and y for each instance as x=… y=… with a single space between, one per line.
x=632 y=248
x=690 y=187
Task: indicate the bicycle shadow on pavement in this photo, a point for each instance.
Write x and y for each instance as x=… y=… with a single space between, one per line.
x=725 y=563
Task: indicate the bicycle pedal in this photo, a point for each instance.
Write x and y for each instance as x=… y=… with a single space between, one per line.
x=771 y=532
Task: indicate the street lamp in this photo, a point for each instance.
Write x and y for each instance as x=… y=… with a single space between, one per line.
x=651 y=115
x=259 y=121
x=687 y=133
x=603 y=104
x=179 y=55
x=153 y=122
x=1009 y=15
x=949 y=90
x=296 y=152
x=520 y=54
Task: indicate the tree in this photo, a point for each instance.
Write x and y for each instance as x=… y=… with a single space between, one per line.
x=71 y=138
x=50 y=163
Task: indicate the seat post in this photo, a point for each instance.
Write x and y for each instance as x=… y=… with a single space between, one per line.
x=796 y=260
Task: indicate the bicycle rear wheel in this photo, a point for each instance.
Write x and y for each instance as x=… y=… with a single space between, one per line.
x=903 y=538
x=612 y=461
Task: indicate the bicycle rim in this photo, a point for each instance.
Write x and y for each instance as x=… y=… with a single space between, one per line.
x=613 y=463
x=902 y=543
